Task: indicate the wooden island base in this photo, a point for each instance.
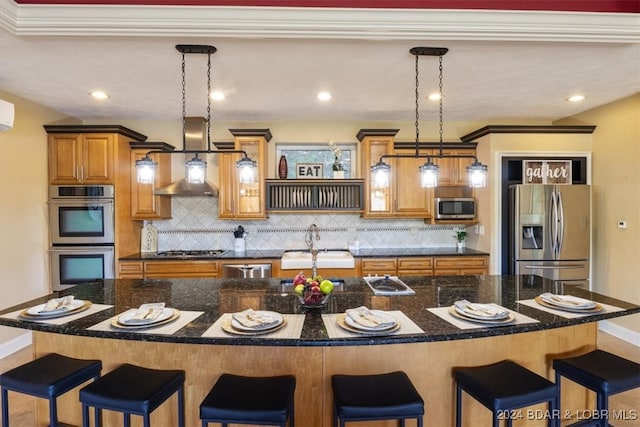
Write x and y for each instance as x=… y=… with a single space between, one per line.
x=428 y=364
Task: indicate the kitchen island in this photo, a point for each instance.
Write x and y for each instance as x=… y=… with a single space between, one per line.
x=427 y=353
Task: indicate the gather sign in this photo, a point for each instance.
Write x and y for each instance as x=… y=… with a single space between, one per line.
x=546 y=171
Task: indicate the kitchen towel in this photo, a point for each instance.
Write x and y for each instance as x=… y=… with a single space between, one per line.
x=606 y=308
x=95 y=308
x=407 y=327
x=292 y=330
x=185 y=318
x=443 y=313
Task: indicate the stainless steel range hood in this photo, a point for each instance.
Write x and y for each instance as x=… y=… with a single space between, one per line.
x=195 y=138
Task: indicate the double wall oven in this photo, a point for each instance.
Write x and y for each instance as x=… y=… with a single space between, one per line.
x=82 y=230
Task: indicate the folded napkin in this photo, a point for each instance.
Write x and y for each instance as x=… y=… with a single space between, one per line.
x=490 y=311
x=57 y=304
x=567 y=300
x=146 y=313
x=250 y=318
x=370 y=319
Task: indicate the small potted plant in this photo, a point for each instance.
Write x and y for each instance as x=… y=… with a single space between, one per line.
x=461 y=235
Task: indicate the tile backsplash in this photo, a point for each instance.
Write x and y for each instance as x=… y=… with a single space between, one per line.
x=195 y=225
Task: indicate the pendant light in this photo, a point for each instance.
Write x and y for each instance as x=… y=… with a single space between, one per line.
x=196 y=168
x=381 y=171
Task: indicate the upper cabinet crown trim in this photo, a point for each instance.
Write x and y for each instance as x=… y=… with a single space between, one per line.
x=363 y=133
x=96 y=129
x=266 y=133
x=526 y=129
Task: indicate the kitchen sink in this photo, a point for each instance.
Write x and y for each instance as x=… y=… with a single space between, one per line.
x=388 y=285
x=286 y=286
x=326 y=259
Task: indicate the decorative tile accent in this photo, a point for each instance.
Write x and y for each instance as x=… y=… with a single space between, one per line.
x=195 y=226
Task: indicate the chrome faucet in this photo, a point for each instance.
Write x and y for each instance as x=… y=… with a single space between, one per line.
x=312 y=233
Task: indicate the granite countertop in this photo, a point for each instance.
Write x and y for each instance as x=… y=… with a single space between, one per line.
x=362 y=253
x=215 y=297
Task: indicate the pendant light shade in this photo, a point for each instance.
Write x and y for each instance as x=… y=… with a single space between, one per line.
x=196 y=170
x=246 y=170
x=146 y=170
x=429 y=174
x=477 y=175
x=380 y=175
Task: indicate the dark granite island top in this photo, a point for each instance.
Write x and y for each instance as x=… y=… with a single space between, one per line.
x=426 y=357
x=215 y=297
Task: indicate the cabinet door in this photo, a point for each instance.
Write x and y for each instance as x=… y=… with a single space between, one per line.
x=251 y=196
x=419 y=266
x=378 y=201
x=453 y=171
x=97 y=159
x=65 y=157
x=144 y=203
x=180 y=269
x=411 y=199
x=460 y=266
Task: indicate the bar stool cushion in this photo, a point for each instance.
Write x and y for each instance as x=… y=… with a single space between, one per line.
x=505 y=385
x=242 y=399
x=381 y=396
x=50 y=375
x=133 y=389
x=600 y=371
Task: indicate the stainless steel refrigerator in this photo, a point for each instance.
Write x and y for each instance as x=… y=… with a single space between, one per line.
x=549 y=232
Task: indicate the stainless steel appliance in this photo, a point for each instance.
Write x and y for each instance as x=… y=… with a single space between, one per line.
x=455 y=207
x=246 y=271
x=82 y=233
x=549 y=232
x=71 y=265
x=388 y=285
x=81 y=214
x=189 y=254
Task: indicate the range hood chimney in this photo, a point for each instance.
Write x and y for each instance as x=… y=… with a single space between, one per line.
x=195 y=138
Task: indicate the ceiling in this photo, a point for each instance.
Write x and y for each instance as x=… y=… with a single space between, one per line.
x=501 y=67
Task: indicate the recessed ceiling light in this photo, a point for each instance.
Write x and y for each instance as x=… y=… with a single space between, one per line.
x=98 y=94
x=324 y=96
x=576 y=98
x=217 y=95
x=434 y=96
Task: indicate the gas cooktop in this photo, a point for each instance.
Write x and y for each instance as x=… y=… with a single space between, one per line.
x=213 y=253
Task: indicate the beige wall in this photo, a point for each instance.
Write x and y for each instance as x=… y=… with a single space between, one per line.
x=616 y=196
x=23 y=196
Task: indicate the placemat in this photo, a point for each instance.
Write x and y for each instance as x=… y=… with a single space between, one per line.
x=164 y=329
x=95 y=308
x=606 y=308
x=292 y=330
x=443 y=313
x=407 y=327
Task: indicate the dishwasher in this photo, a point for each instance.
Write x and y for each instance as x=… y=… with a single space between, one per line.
x=246 y=271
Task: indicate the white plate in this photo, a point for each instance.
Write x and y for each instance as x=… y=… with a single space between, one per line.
x=568 y=301
x=379 y=313
x=124 y=318
x=277 y=318
x=479 y=315
x=75 y=305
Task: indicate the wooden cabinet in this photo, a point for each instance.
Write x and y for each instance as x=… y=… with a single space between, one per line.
x=460 y=266
x=180 y=269
x=403 y=197
x=453 y=171
x=379 y=266
x=77 y=158
x=415 y=266
x=144 y=203
x=244 y=200
x=130 y=270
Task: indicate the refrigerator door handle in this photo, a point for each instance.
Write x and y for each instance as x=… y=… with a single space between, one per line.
x=554 y=267
x=560 y=222
x=553 y=224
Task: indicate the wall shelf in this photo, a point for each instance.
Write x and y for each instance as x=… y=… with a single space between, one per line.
x=345 y=195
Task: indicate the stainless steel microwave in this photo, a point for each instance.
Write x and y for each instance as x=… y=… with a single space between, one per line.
x=455 y=208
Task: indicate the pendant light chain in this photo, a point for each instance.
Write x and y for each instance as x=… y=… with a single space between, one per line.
x=441 y=96
x=184 y=102
x=209 y=101
x=417 y=108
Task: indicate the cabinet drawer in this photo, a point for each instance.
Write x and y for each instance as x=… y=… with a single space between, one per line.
x=130 y=270
x=379 y=266
x=460 y=262
x=176 y=269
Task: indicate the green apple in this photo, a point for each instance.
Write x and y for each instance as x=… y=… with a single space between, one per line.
x=326 y=286
x=299 y=290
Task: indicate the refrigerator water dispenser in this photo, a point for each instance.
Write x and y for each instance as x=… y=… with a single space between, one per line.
x=532 y=236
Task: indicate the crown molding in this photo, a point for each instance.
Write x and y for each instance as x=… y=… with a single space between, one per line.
x=333 y=23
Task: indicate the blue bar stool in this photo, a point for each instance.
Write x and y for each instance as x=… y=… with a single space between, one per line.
x=389 y=396
x=504 y=387
x=605 y=373
x=250 y=400
x=133 y=390
x=47 y=377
